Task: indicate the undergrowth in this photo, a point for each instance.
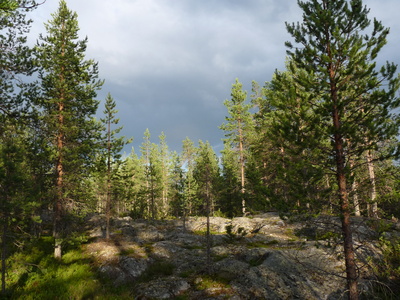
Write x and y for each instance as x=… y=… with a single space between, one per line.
x=34 y=274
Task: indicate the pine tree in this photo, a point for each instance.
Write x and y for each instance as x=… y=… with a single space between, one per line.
x=206 y=173
x=16 y=197
x=136 y=189
x=297 y=136
x=69 y=84
x=176 y=186
x=155 y=181
x=239 y=123
x=18 y=200
x=165 y=174
x=112 y=153
x=145 y=150
x=345 y=89
x=190 y=187
x=16 y=60
x=231 y=202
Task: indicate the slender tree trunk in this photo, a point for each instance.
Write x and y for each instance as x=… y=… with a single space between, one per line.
x=351 y=269
x=184 y=218
x=108 y=201
x=58 y=205
x=208 y=234
x=148 y=195
x=373 y=211
x=356 y=201
x=190 y=198
x=242 y=174
x=152 y=199
x=354 y=187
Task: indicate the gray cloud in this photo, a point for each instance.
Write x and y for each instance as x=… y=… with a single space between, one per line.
x=170 y=64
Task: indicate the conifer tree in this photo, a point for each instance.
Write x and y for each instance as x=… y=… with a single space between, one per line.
x=17 y=201
x=190 y=187
x=112 y=151
x=231 y=194
x=239 y=123
x=176 y=186
x=145 y=150
x=346 y=90
x=16 y=60
x=165 y=166
x=136 y=190
x=206 y=173
x=16 y=197
x=155 y=181
x=297 y=136
x=69 y=85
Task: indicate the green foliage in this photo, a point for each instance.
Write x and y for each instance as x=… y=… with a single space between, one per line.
x=206 y=172
x=208 y=282
x=35 y=274
x=67 y=103
x=380 y=225
x=8 y=5
x=391 y=259
x=387 y=270
x=17 y=62
x=241 y=232
x=238 y=131
x=267 y=244
x=66 y=106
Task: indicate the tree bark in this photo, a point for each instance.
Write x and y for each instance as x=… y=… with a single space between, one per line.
x=108 y=201
x=208 y=234
x=242 y=174
x=351 y=269
x=59 y=185
x=373 y=207
x=354 y=187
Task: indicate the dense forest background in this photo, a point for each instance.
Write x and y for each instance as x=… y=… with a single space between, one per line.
x=320 y=137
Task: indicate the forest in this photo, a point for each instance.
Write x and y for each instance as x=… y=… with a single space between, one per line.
x=318 y=138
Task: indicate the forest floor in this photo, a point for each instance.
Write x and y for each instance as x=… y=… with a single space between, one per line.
x=258 y=257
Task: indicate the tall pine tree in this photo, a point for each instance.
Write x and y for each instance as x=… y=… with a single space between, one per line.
x=346 y=89
x=69 y=84
x=237 y=128
x=112 y=146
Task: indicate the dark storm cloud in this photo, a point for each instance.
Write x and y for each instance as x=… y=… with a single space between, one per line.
x=170 y=64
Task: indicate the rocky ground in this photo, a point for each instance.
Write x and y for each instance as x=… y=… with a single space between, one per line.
x=259 y=257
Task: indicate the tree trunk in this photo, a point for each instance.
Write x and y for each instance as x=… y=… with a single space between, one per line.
x=351 y=270
x=208 y=234
x=58 y=210
x=373 y=211
x=108 y=203
x=354 y=186
x=242 y=175
x=356 y=201
x=58 y=205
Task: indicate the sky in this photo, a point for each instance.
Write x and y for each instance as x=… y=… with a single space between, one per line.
x=170 y=65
